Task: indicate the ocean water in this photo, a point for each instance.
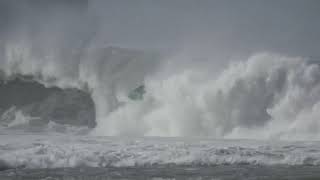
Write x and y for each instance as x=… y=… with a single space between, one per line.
x=60 y=156
x=227 y=172
x=256 y=119
x=82 y=97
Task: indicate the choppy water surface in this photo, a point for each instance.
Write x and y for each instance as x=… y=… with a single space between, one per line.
x=227 y=172
x=47 y=156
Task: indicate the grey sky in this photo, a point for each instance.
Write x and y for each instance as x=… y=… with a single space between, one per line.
x=203 y=28
x=215 y=26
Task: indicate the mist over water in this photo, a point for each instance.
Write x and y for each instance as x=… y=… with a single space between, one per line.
x=265 y=95
x=268 y=95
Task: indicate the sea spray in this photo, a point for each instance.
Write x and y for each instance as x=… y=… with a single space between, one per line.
x=266 y=96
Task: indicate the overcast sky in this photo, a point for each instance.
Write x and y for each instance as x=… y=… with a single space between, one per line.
x=214 y=26
x=204 y=28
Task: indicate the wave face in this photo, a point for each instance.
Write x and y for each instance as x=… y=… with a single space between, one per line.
x=28 y=104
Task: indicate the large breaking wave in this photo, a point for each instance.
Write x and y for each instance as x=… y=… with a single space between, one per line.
x=266 y=96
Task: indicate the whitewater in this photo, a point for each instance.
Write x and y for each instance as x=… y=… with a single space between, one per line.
x=257 y=117
x=64 y=156
x=267 y=96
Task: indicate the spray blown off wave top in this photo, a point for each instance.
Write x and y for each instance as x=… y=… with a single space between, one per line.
x=266 y=96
